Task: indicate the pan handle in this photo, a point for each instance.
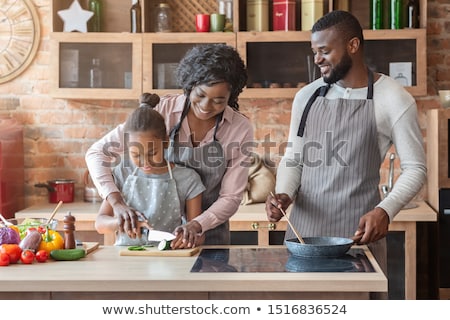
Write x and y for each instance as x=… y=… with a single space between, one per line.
x=47 y=186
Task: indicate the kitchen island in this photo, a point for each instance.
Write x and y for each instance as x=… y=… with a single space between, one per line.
x=105 y=274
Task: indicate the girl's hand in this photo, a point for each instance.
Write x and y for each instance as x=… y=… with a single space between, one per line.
x=188 y=236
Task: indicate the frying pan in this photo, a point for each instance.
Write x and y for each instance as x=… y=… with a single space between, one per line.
x=324 y=247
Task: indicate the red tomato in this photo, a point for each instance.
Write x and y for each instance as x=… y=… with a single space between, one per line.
x=12 y=250
x=27 y=257
x=41 y=256
x=4 y=259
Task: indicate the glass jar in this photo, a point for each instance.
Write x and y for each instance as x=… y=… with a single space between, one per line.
x=95 y=74
x=163 y=17
x=226 y=8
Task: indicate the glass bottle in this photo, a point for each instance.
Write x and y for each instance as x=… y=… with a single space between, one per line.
x=226 y=8
x=412 y=14
x=95 y=22
x=163 y=16
x=396 y=14
x=258 y=15
x=95 y=74
x=376 y=14
x=135 y=17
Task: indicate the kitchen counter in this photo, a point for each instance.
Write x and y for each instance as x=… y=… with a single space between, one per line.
x=253 y=218
x=104 y=274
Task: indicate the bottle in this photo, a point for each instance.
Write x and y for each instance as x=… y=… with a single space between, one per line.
x=95 y=22
x=396 y=14
x=376 y=14
x=226 y=8
x=163 y=16
x=135 y=17
x=69 y=231
x=258 y=15
x=412 y=14
x=95 y=74
x=311 y=10
x=283 y=17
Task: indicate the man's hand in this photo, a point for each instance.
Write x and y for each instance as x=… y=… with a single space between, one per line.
x=372 y=226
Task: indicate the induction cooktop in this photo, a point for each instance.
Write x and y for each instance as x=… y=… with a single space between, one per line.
x=277 y=260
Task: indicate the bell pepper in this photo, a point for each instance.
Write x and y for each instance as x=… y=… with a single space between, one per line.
x=51 y=240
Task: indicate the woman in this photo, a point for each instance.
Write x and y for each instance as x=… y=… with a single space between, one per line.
x=207 y=133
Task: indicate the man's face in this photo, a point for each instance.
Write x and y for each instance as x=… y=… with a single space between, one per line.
x=330 y=55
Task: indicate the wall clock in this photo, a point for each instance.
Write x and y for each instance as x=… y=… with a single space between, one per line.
x=19 y=37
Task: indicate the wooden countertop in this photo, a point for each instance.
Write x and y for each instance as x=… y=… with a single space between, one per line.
x=86 y=211
x=104 y=270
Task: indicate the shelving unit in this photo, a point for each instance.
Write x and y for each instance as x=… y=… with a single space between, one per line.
x=277 y=61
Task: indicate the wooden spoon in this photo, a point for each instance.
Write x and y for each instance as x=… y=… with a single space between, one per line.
x=300 y=239
x=6 y=222
x=54 y=212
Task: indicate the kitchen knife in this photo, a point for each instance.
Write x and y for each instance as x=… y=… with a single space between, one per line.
x=156 y=235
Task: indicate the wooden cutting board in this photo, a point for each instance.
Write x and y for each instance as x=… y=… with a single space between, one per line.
x=155 y=252
x=90 y=246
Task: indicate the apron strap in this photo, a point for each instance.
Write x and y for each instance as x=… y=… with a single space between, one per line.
x=370 y=85
x=321 y=91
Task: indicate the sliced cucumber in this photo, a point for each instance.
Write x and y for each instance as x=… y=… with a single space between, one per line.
x=67 y=254
x=164 y=245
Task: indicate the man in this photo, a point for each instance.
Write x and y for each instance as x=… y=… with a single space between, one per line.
x=342 y=126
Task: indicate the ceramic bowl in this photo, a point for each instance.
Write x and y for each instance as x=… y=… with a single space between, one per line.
x=444 y=95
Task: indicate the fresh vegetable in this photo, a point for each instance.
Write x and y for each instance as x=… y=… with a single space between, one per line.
x=164 y=245
x=27 y=256
x=32 y=240
x=51 y=240
x=67 y=254
x=4 y=259
x=9 y=236
x=12 y=250
x=41 y=256
x=15 y=228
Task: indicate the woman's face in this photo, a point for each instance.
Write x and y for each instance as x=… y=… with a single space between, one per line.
x=209 y=101
x=147 y=152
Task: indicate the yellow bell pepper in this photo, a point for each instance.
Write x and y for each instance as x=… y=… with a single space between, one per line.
x=51 y=240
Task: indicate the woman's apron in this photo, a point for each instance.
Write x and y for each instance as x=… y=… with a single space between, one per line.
x=341 y=165
x=157 y=199
x=209 y=162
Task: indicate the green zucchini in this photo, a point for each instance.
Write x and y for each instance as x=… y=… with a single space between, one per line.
x=164 y=245
x=67 y=254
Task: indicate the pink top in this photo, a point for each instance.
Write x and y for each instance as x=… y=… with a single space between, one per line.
x=235 y=130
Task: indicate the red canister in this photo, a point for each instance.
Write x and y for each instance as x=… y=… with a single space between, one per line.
x=283 y=15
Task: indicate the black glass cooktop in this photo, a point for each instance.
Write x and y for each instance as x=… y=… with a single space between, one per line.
x=277 y=260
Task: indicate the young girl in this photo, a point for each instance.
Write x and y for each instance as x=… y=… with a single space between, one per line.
x=165 y=195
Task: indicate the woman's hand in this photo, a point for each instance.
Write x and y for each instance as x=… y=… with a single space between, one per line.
x=188 y=236
x=129 y=220
x=273 y=205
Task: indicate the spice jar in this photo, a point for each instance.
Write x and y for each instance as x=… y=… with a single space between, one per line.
x=162 y=18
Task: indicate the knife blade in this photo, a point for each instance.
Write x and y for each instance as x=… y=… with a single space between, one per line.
x=156 y=235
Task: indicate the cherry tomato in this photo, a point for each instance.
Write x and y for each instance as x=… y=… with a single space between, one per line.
x=12 y=250
x=27 y=257
x=41 y=256
x=4 y=259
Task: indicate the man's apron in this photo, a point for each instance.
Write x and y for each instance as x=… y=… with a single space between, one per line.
x=157 y=199
x=341 y=165
x=209 y=162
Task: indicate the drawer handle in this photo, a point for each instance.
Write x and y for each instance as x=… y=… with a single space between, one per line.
x=270 y=226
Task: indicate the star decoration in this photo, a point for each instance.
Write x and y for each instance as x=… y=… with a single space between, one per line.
x=75 y=18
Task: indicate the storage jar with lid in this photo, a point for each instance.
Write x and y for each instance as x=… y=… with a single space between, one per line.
x=283 y=17
x=163 y=17
x=258 y=15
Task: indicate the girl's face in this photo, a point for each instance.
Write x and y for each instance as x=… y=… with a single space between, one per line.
x=147 y=152
x=209 y=101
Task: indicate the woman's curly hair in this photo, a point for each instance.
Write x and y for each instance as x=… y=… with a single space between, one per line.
x=209 y=64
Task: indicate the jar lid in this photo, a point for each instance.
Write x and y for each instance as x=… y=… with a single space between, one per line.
x=163 y=5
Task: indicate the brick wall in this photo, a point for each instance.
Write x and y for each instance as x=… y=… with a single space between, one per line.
x=58 y=132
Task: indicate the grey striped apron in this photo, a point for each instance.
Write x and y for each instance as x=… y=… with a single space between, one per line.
x=209 y=162
x=341 y=164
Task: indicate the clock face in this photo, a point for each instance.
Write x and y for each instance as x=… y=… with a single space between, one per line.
x=19 y=37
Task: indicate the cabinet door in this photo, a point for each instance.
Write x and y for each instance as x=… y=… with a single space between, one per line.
x=163 y=51
x=120 y=57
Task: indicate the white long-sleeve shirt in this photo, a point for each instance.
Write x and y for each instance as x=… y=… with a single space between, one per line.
x=396 y=119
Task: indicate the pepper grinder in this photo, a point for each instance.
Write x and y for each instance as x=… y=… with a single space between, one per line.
x=69 y=231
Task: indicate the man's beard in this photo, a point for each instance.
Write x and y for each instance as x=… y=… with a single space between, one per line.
x=341 y=69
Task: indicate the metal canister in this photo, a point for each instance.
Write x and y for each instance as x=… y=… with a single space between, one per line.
x=283 y=17
x=258 y=15
x=311 y=11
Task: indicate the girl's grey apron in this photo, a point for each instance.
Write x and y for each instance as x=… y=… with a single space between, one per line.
x=341 y=164
x=209 y=162
x=157 y=199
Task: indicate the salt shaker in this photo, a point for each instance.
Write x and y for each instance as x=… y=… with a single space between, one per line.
x=69 y=231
